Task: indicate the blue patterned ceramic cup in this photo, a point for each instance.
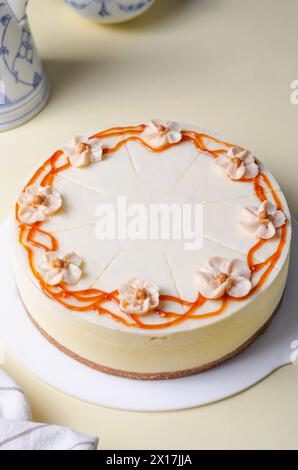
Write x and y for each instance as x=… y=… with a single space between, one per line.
x=110 y=11
x=23 y=87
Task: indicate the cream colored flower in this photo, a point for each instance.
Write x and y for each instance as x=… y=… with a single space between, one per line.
x=38 y=203
x=55 y=269
x=263 y=221
x=159 y=133
x=138 y=296
x=222 y=276
x=238 y=164
x=82 y=151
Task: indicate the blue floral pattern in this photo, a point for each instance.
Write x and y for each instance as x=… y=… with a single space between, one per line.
x=26 y=49
x=23 y=86
x=103 y=5
x=5 y=19
x=4 y=50
x=20 y=68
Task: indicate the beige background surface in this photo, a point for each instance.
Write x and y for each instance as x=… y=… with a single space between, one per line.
x=226 y=65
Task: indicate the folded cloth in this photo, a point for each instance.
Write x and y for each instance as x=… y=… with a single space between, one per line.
x=17 y=432
x=13 y=403
x=25 y=435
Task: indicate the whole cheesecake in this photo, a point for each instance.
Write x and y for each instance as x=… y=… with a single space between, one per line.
x=152 y=250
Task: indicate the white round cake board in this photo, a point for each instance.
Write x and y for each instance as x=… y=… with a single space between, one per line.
x=273 y=349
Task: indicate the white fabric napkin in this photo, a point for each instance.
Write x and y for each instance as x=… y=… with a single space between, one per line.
x=17 y=432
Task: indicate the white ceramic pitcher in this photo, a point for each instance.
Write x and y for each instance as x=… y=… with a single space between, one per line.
x=23 y=86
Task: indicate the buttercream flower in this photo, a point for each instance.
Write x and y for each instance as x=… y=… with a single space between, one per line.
x=55 y=269
x=81 y=151
x=159 y=133
x=222 y=276
x=263 y=221
x=239 y=164
x=138 y=296
x=37 y=203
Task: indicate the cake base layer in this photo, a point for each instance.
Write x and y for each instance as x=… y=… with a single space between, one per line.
x=151 y=376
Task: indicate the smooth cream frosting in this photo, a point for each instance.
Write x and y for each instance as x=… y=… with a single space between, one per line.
x=180 y=174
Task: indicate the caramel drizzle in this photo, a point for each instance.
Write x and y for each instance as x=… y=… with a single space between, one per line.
x=94 y=299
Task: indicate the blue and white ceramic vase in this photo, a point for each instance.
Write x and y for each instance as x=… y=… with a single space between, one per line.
x=110 y=11
x=23 y=86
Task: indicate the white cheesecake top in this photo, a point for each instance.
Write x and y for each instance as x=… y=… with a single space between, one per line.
x=206 y=189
